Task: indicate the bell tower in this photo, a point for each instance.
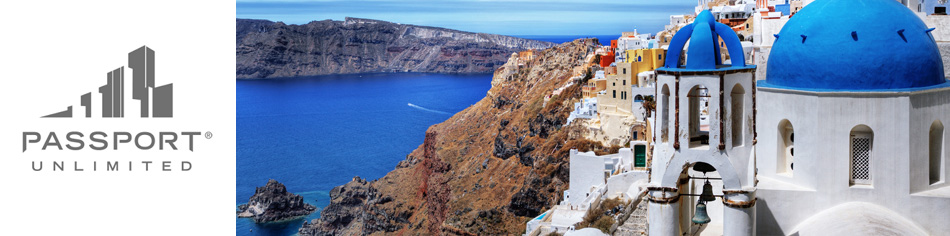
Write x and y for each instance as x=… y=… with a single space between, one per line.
x=703 y=175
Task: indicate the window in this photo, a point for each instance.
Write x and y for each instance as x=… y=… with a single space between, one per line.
x=786 y=147
x=737 y=114
x=625 y=81
x=638 y=98
x=862 y=142
x=665 y=114
x=698 y=121
x=625 y=71
x=936 y=152
x=615 y=93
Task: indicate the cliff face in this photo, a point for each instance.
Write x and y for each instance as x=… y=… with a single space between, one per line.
x=272 y=202
x=268 y=49
x=485 y=171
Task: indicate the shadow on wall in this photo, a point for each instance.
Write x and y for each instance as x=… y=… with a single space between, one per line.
x=764 y=219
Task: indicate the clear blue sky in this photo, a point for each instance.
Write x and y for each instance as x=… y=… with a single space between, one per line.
x=524 y=17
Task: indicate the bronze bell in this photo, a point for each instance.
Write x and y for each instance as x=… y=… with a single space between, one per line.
x=707 y=193
x=701 y=217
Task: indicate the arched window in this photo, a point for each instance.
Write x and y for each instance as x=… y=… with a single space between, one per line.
x=862 y=142
x=786 y=147
x=737 y=114
x=936 y=152
x=665 y=114
x=699 y=120
x=638 y=98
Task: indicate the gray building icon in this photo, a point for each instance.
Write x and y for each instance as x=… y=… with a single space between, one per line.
x=158 y=103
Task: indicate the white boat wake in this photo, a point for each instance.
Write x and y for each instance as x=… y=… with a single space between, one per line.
x=427 y=109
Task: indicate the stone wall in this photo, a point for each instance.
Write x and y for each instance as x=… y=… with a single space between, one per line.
x=942 y=23
x=945 y=54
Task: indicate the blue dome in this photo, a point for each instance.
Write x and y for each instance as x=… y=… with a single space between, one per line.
x=855 y=45
x=703 y=37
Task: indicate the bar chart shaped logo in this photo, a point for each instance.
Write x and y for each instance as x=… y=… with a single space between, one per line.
x=158 y=103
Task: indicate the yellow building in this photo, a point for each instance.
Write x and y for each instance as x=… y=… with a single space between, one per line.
x=593 y=86
x=643 y=60
x=617 y=98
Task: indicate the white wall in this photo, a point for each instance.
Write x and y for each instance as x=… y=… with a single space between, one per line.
x=587 y=171
x=619 y=185
x=734 y=162
x=942 y=23
x=822 y=124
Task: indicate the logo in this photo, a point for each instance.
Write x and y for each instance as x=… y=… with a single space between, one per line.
x=142 y=63
x=155 y=102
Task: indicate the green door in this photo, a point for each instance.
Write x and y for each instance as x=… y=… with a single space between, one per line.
x=639 y=156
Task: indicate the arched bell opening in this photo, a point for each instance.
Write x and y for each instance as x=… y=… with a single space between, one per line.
x=701 y=208
x=699 y=119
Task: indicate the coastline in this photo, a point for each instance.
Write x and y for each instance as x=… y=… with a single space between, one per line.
x=319 y=199
x=427 y=90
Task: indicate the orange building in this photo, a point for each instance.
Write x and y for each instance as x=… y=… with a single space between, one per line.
x=733 y=22
x=606 y=60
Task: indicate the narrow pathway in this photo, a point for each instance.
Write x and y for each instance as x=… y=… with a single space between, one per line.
x=636 y=224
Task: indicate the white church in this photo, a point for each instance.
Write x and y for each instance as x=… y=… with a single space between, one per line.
x=844 y=136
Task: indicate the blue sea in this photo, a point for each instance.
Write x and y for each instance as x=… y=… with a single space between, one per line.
x=316 y=133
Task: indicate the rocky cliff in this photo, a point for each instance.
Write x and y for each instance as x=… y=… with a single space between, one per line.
x=273 y=203
x=486 y=170
x=268 y=49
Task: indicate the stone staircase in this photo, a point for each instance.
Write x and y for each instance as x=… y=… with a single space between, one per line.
x=636 y=224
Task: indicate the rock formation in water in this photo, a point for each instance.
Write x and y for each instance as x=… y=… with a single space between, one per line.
x=268 y=49
x=273 y=203
x=486 y=170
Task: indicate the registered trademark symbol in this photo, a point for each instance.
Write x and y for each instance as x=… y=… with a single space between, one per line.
x=208 y=135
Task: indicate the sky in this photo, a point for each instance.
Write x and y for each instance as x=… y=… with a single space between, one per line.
x=523 y=17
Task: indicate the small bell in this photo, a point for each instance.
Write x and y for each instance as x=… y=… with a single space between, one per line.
x=701 y=217
x=707 y=193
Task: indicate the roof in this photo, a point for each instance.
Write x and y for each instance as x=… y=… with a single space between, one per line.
x=703 y=38
x=867 y=45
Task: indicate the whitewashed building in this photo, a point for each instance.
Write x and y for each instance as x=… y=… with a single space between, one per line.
x=737 y=11
x=851 y=123
x=585 y=109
